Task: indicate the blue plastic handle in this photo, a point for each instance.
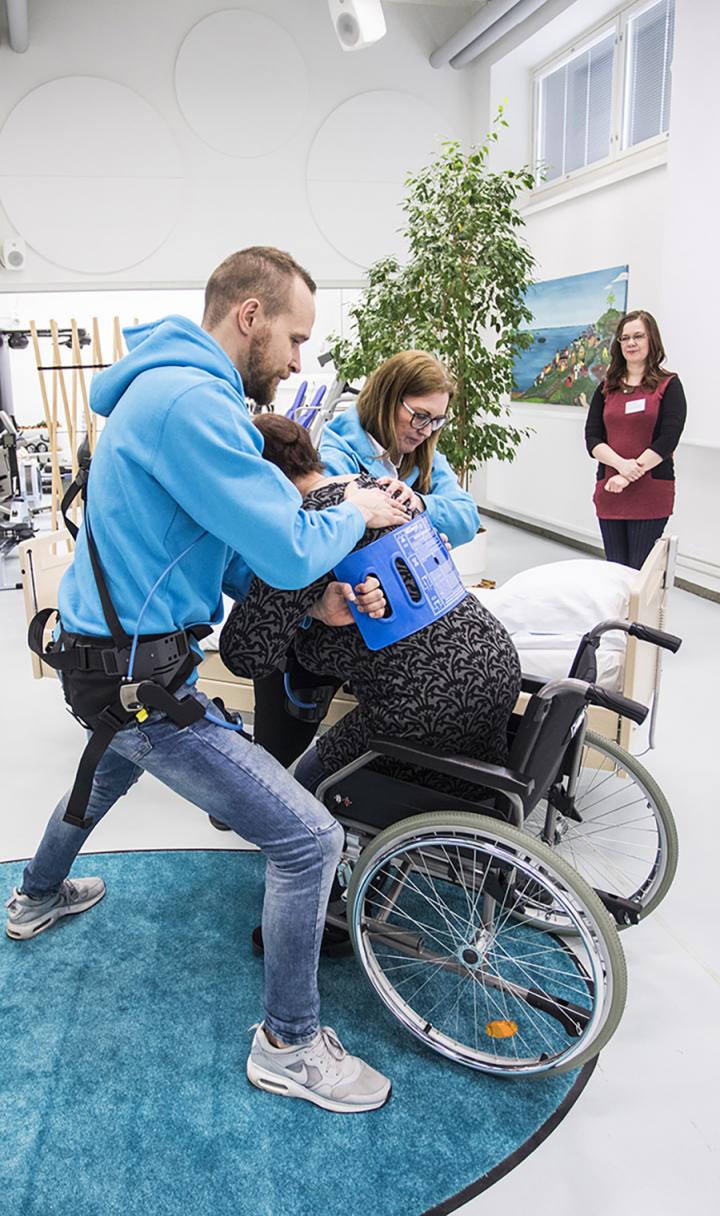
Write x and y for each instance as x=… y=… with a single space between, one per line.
x=418 y=547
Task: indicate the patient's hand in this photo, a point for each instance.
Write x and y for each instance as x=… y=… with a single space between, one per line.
x=332 y=607
x=401 y=492
x=616 y=484
x=378 y=508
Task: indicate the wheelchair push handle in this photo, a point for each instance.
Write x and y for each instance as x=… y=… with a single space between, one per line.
x=618 y=704
x=668 y=641
x=644 y=633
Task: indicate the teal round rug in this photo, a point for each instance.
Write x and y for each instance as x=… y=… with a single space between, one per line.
x=123 y=1040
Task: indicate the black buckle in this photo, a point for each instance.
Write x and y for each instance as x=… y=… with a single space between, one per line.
x=111 y=717
x=115 y=662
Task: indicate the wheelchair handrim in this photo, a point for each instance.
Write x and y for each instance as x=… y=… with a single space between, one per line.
x=599 y=979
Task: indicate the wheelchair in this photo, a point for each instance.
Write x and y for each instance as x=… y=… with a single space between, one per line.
x=605 y=813
x=469 y=919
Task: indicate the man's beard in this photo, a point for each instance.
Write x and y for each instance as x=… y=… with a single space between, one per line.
x=260 y=381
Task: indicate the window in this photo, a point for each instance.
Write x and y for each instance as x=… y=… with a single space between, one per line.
x=575 y=110
x=606 y=94
x=648 y=62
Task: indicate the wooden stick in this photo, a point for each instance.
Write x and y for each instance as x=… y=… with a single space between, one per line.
x=118 y=341
x=97 y=358
x=51 y=424
x=60 y=374
x=77 y=360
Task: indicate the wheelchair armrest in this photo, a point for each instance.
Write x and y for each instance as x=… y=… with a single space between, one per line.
x=478 y=772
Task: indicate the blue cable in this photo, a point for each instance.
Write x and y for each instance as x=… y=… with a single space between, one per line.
x=293 y=699
x=149 y=596
x=210 y=717
x=221 y=722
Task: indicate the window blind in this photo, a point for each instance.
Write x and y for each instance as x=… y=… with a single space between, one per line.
x=648 y=72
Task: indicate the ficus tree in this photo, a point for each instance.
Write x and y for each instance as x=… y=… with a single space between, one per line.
x=460 y=294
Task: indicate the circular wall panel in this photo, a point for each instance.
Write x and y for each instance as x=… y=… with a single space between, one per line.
x=357 y=167
x=241 y=83
x=89 y=174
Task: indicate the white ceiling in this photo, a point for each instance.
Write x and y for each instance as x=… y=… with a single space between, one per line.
x=443 y=3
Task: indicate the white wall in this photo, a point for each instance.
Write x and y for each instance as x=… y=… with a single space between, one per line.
x=142 y=142
x=661 y=222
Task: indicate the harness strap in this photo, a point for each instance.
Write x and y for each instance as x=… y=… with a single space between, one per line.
x=68 y=499
x=148 y=694
x=95 y=749
x=163 y=658
x=118 y=634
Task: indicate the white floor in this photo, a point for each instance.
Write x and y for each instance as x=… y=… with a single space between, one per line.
x=644 y=1138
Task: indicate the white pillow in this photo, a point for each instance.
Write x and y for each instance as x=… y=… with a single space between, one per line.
x=554 y=664
x=561 y=597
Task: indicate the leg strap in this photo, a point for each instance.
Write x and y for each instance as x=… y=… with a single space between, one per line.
x=96 y=747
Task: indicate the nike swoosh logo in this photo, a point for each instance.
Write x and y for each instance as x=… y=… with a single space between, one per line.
x=298 y=1072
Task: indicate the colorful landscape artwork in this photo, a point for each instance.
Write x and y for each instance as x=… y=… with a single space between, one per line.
x=574 y=320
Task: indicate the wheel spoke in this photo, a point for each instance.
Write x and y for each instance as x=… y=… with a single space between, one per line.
x=463 y=972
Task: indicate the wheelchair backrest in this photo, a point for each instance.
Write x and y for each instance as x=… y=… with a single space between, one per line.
x=550 y=721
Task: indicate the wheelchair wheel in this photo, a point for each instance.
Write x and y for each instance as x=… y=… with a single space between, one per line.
x=432 y=911
x=625 y=840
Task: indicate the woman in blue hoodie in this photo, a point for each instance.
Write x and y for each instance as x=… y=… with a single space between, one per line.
x=391 y=433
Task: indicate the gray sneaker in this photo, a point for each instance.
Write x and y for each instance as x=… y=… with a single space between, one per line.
x=321 y=1072
x=27 y=917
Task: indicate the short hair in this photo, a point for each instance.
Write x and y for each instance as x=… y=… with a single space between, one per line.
x=260 y=272
x=288 y=445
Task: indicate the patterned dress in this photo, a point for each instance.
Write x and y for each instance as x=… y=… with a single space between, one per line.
x=451 y=687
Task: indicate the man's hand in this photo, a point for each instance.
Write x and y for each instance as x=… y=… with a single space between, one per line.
x=332 y=607
x=378 y=508
x=616 y=484
x=401 y=492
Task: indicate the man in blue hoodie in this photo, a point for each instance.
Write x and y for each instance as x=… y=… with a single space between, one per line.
x=182 y=508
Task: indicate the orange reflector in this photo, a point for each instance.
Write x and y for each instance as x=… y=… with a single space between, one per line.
x=501 y=1029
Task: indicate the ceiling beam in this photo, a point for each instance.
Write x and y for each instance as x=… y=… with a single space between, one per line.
x=493 y=11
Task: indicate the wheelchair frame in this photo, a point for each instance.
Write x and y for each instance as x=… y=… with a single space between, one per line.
x=536 y=1016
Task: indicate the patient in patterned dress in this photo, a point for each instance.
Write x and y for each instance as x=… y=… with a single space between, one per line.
x=451 y=686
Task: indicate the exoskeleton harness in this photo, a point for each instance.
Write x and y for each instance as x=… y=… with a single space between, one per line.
x=111 y=681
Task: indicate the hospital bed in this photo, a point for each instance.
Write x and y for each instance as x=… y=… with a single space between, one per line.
x=565 y=599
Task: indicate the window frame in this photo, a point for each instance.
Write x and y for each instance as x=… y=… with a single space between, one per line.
x=621 y=161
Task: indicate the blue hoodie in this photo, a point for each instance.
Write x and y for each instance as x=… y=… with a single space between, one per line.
x=346 y=448
x=178 y=461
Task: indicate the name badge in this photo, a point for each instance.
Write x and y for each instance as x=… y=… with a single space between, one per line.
x=635 y=407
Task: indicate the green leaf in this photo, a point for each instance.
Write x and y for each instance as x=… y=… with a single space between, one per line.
x=467 y=276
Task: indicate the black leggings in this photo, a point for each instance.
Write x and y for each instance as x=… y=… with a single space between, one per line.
x=275 y=729
x=629 y=541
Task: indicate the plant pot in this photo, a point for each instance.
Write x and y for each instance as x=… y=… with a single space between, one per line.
x=470 y=558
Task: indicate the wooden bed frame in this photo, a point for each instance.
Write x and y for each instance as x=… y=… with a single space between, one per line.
x=44 y=558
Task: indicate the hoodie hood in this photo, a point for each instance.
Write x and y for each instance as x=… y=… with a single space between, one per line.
x=172 y=342
x=348 y=428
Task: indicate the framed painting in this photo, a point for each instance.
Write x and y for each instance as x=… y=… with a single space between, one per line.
x=574 y=321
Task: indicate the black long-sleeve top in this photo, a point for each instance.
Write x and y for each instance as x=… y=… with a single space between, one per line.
x=666 y=432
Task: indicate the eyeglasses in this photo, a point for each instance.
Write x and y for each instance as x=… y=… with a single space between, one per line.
x=420 y=422
x=632 y=338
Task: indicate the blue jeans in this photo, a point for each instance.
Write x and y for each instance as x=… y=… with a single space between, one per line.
x=237 y=782
x=309 y=770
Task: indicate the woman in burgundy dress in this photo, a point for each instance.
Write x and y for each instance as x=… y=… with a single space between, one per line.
x=634 y=424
